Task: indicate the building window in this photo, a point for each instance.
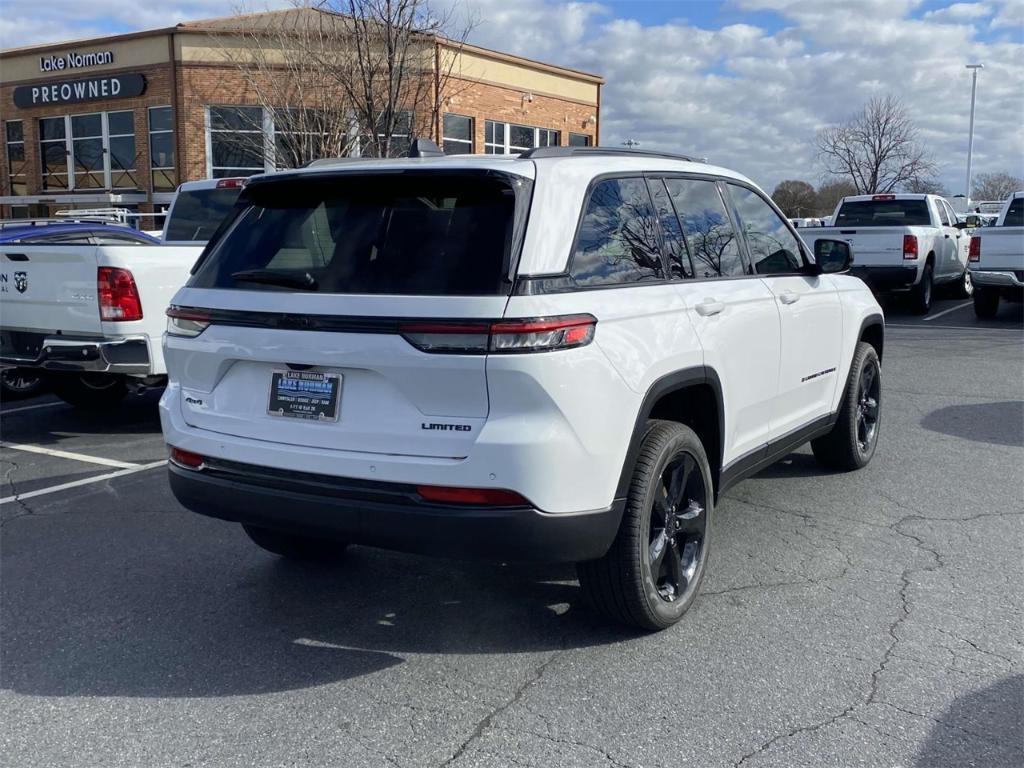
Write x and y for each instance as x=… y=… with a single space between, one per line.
x=17 y=169
x=238 y=142
x=54 y=152
x=512 y=139
x=87 y=151
x=580 y=140
x=161 y=149
x=458 y=135
x=121 y=150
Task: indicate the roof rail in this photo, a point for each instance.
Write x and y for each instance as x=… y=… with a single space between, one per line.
x=51 y=222
x=540 y=152
x=331 y=161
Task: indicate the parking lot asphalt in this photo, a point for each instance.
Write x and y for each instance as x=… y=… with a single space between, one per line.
x=866 y=619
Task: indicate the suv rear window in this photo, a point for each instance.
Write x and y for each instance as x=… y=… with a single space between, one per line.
x=197 y=213
x=883 y=213
x=1015 y=214
x=424 y=234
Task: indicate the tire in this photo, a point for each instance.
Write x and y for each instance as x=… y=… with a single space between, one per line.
x=293 y=546
x=986 y=303
x=921 y=294
x=21 y=382
x=90 y=391
x=852 y=441
x=623 y=586
x=964 y=287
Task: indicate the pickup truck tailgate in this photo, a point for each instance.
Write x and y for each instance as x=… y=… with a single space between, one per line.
x=872 y=246
x=49 y=288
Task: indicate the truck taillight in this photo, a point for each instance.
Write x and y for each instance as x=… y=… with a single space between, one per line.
x=883 y=197
x=119 y=298
x=909 y=247
x=974 y=249
x=477 y=337
x=234 y=182
x=187 y=322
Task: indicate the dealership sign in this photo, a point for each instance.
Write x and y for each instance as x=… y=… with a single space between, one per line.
x=75 y=61
x=71 y=91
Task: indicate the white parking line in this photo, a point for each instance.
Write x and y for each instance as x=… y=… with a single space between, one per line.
x=30 y=407
x=947 y=311
x=85 y=481
x=984 y=328
x=68 y=455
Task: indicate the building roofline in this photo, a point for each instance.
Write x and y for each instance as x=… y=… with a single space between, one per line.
x=206 y=25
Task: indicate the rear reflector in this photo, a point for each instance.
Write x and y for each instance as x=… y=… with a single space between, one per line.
x=974 y=249
x=883 y=197
x=492 y=497
x=909 y=247
x=541 y=334
x=186 y=322
x=187 y=459
x=119 y=298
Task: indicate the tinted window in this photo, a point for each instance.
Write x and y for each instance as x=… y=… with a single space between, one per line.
x=197 y=213
x=773 y=248
x=618 y=237
x=883 y=213
x=706 y=225
x=409 y=234
x=1015 y=215
x=116 y=238
x=943 y=216
x=672 y=233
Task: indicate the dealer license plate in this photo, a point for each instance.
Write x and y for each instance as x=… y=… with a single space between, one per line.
x=305 y=395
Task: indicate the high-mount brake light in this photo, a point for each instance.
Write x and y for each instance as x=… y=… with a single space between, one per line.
x=232 y=183
x=491 y=497
x=187 y=323
x=118 y=295
x=187 y=459
x=883 y=197
x=540 y=334
x=974 y=249
x=909 y=247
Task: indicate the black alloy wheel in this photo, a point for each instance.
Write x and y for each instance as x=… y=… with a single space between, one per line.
x=868 y=394
x=677 y=529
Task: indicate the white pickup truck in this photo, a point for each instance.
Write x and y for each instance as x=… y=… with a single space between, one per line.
x=996 y=258
x=90 y=316
x=902 y=241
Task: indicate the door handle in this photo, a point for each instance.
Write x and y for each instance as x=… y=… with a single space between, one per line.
x=709 y=307
x=789 y=297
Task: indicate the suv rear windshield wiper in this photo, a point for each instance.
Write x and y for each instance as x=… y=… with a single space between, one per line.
x=303 y=281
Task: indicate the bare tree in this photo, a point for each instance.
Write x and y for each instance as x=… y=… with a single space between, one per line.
x=995 y=186
x=926 y=187
x=795 y=198
x=876 y=149
x=830 y=193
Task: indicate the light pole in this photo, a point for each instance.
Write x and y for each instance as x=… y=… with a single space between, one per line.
x=970 y=140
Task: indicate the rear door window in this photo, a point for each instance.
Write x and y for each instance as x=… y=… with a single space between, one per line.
x=883 y=213
x=774 y=249
x=709 y=232
x=197 y=213
x=405 y=234
x=617 y=241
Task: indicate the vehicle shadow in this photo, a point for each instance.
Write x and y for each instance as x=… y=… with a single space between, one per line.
x=172 y=605
x=793 y=465
x=995 y=714
x=999 y=423
x=135 y=415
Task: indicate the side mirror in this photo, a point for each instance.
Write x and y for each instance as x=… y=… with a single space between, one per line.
x=832 y=256
x=965 y=224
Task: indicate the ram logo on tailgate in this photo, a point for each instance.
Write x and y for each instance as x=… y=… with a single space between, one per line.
x=21 y=281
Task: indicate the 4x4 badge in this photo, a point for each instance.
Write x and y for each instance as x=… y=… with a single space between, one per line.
x=21 y=281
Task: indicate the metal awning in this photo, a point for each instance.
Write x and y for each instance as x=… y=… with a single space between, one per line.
x=110 y=198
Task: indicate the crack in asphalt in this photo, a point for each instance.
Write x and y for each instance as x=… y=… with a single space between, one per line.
x=572 y=743
x=9 y=479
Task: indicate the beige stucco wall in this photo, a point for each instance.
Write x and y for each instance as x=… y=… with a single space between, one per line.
x=474 y=66
x=127 y=53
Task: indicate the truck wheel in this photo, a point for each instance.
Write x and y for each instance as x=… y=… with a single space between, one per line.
x=89 y=391
x=293 y=546
x=21 y=382
x=851 y=443
x=921 y=294
x=964 y=286
x=986 y=302
x=655 y=566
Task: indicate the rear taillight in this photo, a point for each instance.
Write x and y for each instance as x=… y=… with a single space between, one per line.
x=187 y=322
x=187 y=459
x=541 y=334
x=883 y=197
x=492 y=497
x=974 y=249
x=234 y=182
x=909 y=247
x=119 y=298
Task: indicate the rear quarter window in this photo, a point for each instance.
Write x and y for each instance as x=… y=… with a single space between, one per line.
x=1015 y=214
x=400 y=234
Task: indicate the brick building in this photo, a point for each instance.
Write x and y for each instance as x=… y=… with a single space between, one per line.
x=122 y=120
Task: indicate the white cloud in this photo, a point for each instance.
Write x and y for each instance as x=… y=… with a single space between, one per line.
x=958 y=12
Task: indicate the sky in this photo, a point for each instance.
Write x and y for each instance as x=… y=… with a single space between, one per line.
x=744 y=83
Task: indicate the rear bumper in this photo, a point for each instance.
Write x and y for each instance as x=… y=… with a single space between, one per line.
x=391 y=515
x=128 y=355
x=887 y=278
x=1007 y=278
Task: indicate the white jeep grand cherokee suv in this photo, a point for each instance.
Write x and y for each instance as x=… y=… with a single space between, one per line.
x=565 y=356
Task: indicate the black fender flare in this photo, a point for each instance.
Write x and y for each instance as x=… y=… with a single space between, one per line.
x=672 y=382
x=870 y=321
